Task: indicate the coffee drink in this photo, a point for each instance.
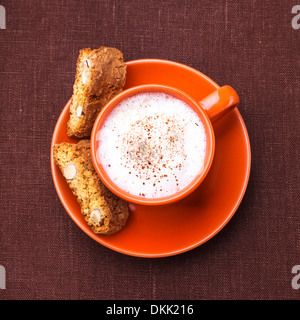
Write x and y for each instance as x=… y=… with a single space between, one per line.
x=152 y=145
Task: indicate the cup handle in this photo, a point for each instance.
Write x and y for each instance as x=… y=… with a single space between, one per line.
x=220 y=102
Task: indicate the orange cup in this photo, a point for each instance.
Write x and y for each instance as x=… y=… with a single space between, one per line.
x=209 y=109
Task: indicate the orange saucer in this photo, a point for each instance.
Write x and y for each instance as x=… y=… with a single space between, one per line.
x=162 y=231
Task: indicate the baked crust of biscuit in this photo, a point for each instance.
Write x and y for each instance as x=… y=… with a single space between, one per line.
x=104 y=212
x=100 y=75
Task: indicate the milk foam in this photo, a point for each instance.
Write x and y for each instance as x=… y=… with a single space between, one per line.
x=152 y=145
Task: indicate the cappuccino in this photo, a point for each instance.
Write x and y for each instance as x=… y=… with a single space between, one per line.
x=152 y=145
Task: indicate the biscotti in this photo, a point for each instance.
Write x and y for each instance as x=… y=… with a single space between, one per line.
x=100 y=75
x=104 y=212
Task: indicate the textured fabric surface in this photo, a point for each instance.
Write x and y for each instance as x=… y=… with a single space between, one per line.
x=250 y=45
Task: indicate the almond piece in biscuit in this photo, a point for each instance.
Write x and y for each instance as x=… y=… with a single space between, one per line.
x=70 y=171
x=79 y=111
x=96 y=216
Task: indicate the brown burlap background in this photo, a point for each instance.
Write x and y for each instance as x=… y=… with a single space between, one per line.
x=250 y=45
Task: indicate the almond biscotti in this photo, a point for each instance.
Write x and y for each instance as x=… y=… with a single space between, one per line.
x=100 y=75
x=104 y=212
